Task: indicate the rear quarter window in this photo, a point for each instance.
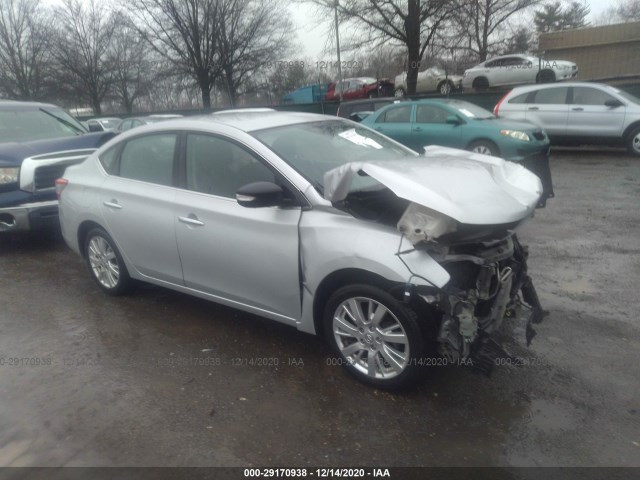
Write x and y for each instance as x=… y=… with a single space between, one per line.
x=108 y=159
x=520 y=98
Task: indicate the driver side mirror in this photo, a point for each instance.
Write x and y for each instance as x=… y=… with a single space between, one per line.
x=613 y=103
x=453 y=120
x=93 y=127
x=260 y=194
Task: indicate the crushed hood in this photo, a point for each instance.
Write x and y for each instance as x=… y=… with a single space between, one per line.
x=468 y=187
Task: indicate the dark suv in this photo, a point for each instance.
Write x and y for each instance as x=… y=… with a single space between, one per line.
x=37 y=142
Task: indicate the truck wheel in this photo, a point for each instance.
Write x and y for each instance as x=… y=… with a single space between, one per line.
x=376 y=338
x=105 y=263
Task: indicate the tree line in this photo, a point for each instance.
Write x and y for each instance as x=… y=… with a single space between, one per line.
x=161 y=54
x=93 y=52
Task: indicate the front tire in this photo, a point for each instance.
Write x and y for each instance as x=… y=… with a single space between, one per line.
x=480 y=84
x=484 y=147
x=398 y=92
x=633 y=142
x=377 y=338
x=105 y=263
x=546 y=76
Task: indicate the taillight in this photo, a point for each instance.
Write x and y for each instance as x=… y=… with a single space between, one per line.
x=497 y=107
x=61 y=183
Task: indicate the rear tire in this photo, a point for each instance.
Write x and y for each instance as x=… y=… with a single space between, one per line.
x=377 y=338
x=398 y=92
x=445 y=88
x=633 y=142
x=105 y=263
x=484 y=147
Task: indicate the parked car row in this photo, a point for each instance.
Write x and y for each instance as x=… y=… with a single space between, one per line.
x=506 y=70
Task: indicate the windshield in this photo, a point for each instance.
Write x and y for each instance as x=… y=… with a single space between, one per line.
x=315 y=148
x=22 y=125
x=469 y=110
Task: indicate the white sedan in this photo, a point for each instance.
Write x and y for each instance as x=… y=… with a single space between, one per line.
x=516 y=70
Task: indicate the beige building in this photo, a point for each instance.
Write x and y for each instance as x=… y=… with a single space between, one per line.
x=609 y=52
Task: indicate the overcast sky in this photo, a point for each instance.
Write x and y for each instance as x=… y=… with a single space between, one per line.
x=313 y=33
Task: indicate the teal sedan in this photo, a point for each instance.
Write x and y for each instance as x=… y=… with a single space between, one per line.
x=459 y=124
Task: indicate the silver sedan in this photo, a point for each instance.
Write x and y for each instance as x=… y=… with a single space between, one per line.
x=317 y=222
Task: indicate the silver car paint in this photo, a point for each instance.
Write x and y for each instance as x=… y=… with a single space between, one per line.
x=574 y=119
x=329 y=240
x=486 y=190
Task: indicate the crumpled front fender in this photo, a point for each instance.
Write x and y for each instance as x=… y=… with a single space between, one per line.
x=330 y=242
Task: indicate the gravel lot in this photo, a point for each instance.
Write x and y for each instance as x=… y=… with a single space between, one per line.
x=159 y=378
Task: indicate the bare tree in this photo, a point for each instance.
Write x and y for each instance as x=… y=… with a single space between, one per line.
x=251 y=35
x=132 y=65
x=484 y=24
x=410 y=23
x=184 y=33
x=23 y=51
x=623 y=11
x=80 y=43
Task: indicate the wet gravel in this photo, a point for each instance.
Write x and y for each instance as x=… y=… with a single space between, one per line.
x=159 y=378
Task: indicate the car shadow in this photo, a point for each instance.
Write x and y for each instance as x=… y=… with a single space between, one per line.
x=31 y=242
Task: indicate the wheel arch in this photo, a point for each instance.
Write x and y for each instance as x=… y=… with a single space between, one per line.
x=545 y=71
x=482 y=139
x=339 y=279
x=629 y=130
x=349 y=276
x=479 y=78
x=83 y=230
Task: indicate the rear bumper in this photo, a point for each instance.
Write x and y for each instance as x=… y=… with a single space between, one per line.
x=29 y=216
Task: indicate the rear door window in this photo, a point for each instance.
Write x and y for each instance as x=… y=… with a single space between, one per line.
x=149 y=158
x=396 y=115
x=550 y=96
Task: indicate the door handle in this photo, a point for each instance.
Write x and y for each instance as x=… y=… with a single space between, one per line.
x=192 y=219
x=577 y=109
x=533 y=108
x=113 y=204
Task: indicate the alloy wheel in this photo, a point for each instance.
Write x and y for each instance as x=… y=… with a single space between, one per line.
x=103 y=262
x=371 y=338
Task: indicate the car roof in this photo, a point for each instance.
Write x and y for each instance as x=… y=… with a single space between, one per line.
x=246 y=121
x=538 y=86
x=12 y=104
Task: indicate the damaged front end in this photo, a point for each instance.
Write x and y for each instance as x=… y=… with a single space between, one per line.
x=489 y=282
x=462 y=210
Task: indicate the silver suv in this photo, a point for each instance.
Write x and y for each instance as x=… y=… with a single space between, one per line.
x=577 y=113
